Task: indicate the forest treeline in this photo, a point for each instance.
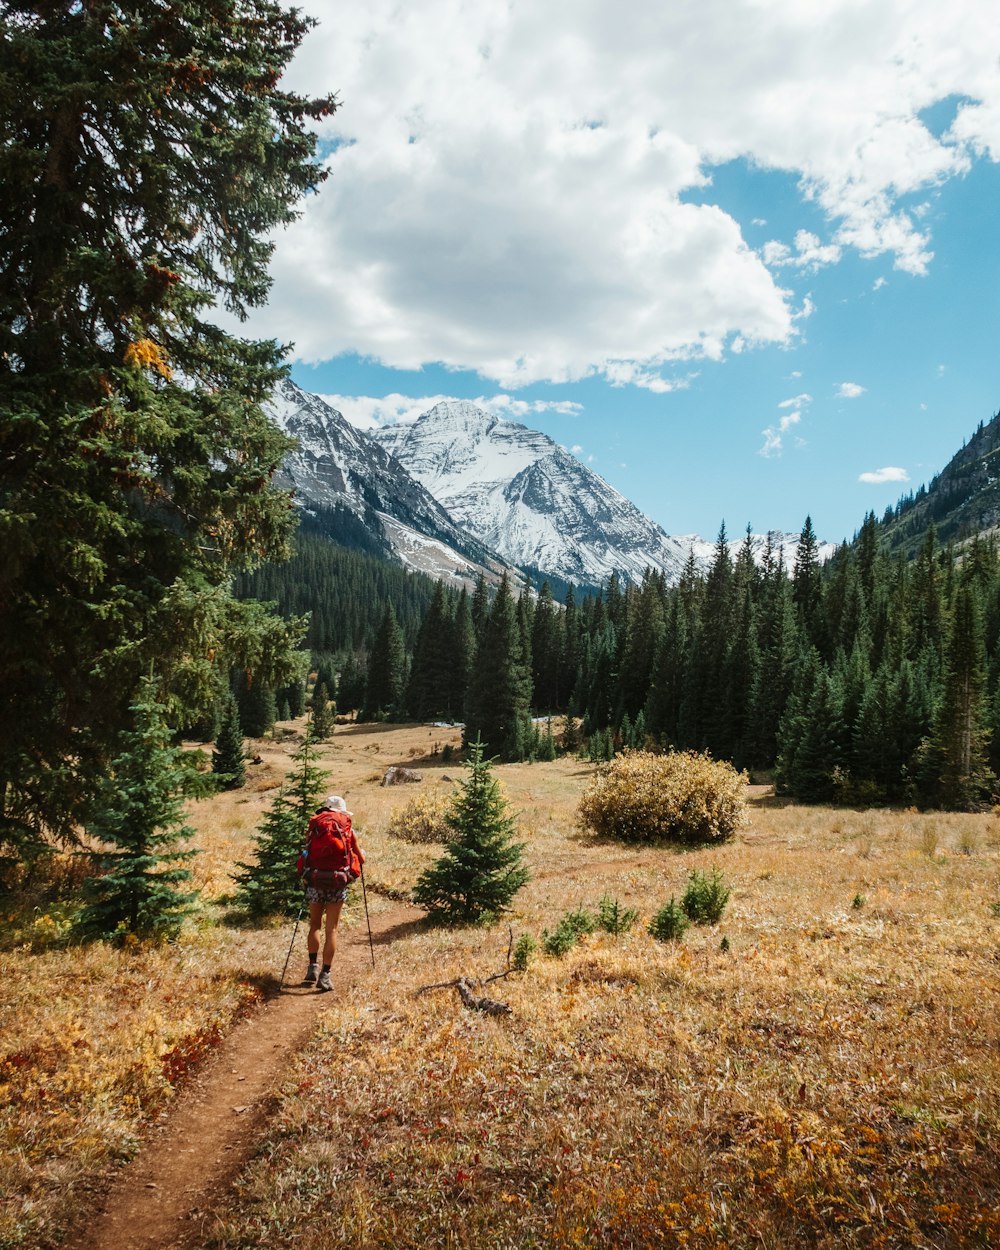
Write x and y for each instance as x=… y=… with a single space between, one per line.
x=873 y=678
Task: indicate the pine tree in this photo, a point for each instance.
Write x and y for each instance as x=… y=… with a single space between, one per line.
x=497 y=707
x=268 y=886
x=146 y=155
x=386 y=670
x=816 y=757
x=229 y=756
x=463 y=641
x=546 y=656
x=807 y=584
x=295 y=693
x=643 y=631
x=481 y=870
x=351 y=683
x=960 y=736
x=257 y=707
x=428 y=693
x=139 y=817
x=321 y=725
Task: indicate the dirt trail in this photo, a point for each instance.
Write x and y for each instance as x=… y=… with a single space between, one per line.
x=162 y=1198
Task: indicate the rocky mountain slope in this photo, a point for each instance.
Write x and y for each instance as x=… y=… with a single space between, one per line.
x=962 y=500
x=337 y=467
x=527 y=498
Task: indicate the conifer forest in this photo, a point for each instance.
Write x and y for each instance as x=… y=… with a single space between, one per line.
x=872 y=679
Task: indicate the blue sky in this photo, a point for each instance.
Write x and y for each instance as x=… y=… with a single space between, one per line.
x=739 y=257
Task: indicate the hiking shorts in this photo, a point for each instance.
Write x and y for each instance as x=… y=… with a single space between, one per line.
x=326 y=894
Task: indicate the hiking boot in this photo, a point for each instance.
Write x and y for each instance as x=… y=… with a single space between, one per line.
x=310 y=976
x=324 y=981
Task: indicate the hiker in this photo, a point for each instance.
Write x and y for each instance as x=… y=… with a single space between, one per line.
x=332 y=860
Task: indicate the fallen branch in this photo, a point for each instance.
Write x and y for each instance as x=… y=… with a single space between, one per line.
x=491 y=1006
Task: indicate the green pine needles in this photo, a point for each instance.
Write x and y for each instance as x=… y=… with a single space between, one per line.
x=229 y=756
x=268 y=886
x=481 y=870
x=139 y=891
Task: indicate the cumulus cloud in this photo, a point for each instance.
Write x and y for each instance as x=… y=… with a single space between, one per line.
x=511 y=184
x=849 y=390
x=891 y=473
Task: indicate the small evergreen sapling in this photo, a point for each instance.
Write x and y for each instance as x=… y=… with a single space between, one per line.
x=613 y=918
x=481 y=870
x=524 y=948
x=229 y=756
x=268 y=886
x=139 y=817
x=670 y=923
x=705 y=898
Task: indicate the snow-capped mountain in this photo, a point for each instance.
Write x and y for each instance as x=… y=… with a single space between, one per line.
x=528 y=499
x=337 y=466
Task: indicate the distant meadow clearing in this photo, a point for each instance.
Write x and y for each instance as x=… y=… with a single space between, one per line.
x=821 y=1068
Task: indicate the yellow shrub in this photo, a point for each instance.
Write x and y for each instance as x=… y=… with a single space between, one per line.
x=681 y=796
x=421 y=820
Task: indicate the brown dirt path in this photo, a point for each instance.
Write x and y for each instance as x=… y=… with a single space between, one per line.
x=163 y=1197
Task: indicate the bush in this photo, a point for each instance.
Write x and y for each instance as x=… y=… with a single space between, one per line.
x=681 y=797
x=705 y=898
x=613 y=918
x=424 y=819
x=669 y=924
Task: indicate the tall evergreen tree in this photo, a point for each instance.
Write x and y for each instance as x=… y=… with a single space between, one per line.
x=147 y=155
x=351 y=682
x=267 y=886
x=497 y=708
x=643 y=632
x=546 y=653
x=229 y=756
x=428 y=694
x=807 y=585
x=139 y=818
x=386 y=670
x=463 y=655
x=960 y=737
x=321 y=719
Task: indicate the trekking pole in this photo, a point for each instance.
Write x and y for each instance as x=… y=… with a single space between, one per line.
x=292 y=942
x=364 y=892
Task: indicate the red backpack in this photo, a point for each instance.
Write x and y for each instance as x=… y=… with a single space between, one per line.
x=331 y=847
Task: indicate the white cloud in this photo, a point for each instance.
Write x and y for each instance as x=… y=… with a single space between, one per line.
x=889 y=474
x=850 y=390
x=809 y=255
x=509 y=193
x=368 y=412
x=774 y=435
x=878 y=284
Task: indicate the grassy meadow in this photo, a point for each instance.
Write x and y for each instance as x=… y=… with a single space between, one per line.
x=827 y=1075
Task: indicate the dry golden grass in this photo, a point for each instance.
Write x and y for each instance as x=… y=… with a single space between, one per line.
x=831 y=1080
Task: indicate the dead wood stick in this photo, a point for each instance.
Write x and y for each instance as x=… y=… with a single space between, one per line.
x=491 y=1006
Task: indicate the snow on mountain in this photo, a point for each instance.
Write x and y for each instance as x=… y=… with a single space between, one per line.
x=527 y=498
x=337 y=466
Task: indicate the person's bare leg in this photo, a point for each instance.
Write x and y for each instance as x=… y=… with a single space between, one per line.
x=332 y=920
x=315 y=924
